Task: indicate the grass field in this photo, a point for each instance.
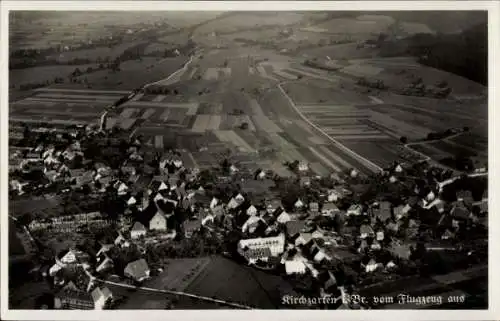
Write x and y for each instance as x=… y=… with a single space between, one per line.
x=341 y=51
x=43 y=74
x=397 y=74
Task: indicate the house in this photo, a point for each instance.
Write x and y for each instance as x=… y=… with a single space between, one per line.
x=72 y=257
x=214 y=202
x=233 y=169
x=366 y=231
x=293 y=228
x=295 y=267
x=329 y=209
x=122 y=189
x=303 y=239
x=73 y=299
x=313 y=207
x=305 y=181
x=430 y=196
x=137 y=270
x=239 y=198
x=158 y=222
x=393 y=179
x=333 y=195
x=399 y=250
x=460 y=211
x=261 y=174
x=353 y=173
x=379 y=236
x=162 y=187
x=131 y=201
x=105 y=248
x=218 y=211
x=276 y=244
x=252 y=210
x=355 y=209
x=101 y=297
x=191 y=226
x=398 y=169
x=233 y=204
x=401 y=211
x=252 y=255
x=137 y=230
x=283 y=218
x=372 y=266
x=121 y=241
x=330 y=285
x=252 y=223
x=104 y=264
x=375 y=245
x=273 y=205
x=303 y=167
x=382 y=211
x=299 y=204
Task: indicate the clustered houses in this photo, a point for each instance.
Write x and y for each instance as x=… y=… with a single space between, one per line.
x=315 y=232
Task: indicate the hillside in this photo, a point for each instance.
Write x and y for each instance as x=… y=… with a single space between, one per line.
x=440 y=51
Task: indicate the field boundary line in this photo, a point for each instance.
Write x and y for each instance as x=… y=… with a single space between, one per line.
x=204 y=298
x=373 y=167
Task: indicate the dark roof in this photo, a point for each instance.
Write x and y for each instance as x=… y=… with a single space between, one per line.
x=257 y=253
x=75 y=294
x=294 y=227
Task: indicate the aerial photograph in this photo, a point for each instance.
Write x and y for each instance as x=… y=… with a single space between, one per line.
x=322 y=160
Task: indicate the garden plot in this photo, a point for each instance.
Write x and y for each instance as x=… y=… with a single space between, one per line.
x=229 y=136
x=118 y=93
x=201 y=123
x=69 y=100
x=325 y=160
x=82 y=96
x=159 y=98
x=362 y=70
x=211 y=74
x=158 y=141
x=402 y=128
x=285 y=74
x=264 y=123
x=339 y=161
x=128 y=112
x=148 y=113
x=361 y=137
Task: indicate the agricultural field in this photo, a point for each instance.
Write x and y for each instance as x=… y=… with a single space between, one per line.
x=322 y=93
x=69 y=106
x=340 y=51
x=398 y=74
x=178 y=274
x=45 y=207
x=255 y=288
x=134 y=74
x=362 y=25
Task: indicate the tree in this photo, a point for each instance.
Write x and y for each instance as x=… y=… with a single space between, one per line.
x=90 y=69
x=403 y=140
x=244 y=125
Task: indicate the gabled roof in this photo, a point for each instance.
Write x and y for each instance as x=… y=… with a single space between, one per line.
x=137 y=269
x=138 y=227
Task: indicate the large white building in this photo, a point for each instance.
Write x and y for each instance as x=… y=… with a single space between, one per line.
x=276 y=244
